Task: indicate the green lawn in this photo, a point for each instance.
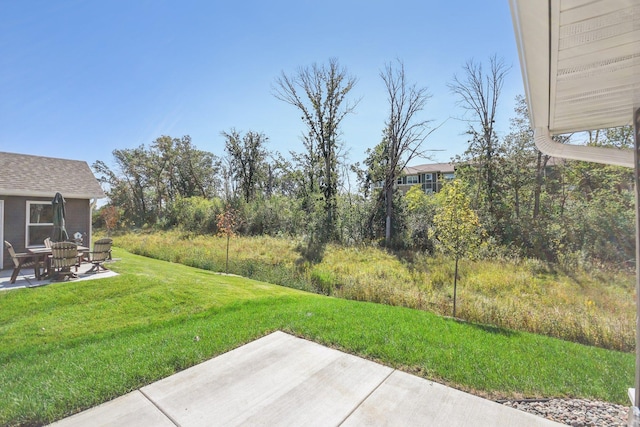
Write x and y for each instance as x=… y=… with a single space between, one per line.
x=69 y=346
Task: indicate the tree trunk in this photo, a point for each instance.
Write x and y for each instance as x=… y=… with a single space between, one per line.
x=538 y=189
x=330 y=196
x=226 y=268
x=455 y=286
x=389 y=212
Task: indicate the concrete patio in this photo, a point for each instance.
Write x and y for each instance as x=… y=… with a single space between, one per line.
x=282 y=380
x=27 y=278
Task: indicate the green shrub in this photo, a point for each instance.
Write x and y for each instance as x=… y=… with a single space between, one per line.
x=196 y=214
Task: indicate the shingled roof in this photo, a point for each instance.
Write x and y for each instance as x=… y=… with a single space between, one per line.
x=36 y=176
x=429 y=168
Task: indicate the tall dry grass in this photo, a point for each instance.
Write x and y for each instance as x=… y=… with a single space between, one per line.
x=591 y=307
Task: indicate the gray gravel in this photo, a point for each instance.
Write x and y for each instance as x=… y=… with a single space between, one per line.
x=575 y=412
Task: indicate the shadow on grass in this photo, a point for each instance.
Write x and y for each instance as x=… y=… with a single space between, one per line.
x=489 y=328
x=312 y=252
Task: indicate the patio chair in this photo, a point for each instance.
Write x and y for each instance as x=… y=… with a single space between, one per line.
x=64 y=255
x=21 y=260
x=101 y=252
x=47 y=242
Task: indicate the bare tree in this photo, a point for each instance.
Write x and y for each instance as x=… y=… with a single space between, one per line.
x=479 y=94
x=320 y=93
x=404 y=130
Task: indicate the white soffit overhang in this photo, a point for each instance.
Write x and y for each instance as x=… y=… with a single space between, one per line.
x=580 y=63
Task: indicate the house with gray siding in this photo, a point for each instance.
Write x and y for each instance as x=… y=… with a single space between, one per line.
x=28 y=184
x=431 y=177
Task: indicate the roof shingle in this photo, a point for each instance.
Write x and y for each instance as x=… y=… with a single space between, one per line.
x=36 y=176
x=429 y=168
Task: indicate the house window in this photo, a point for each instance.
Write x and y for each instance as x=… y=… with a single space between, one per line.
x=427 y=188
x=449 y=175
x=399 y=181
x=428 y=177
x=39 y=222
x=412 y=179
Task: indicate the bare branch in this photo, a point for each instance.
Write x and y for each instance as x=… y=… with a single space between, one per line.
x=320 y=93
x=404 y=130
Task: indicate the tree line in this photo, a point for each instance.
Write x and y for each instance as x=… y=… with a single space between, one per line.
x=527 y=204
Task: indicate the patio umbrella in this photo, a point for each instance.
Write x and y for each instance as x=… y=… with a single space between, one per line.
x=59 y=231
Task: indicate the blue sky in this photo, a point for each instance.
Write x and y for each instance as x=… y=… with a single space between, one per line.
x=79 y=79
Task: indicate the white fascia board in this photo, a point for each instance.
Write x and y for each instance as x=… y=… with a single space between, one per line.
x=531 y=27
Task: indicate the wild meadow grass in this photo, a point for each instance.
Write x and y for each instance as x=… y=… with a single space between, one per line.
x=69 y=346
x=261 y=258
x=590 y=307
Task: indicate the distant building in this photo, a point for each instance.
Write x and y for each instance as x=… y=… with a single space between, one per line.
x=431 y=177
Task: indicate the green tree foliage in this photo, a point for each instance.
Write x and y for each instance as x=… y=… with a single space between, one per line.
x=550 y=208
x=352 y=225
x=191 y=172
x=146 y=181
x=373 y=174
x=598 y=204
x=247 y=161
x=519 y=162
x=196 y=214
x=277 y=215
x=520 y=177
x=127 y=187
x=457 y=227
x=421 y=209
